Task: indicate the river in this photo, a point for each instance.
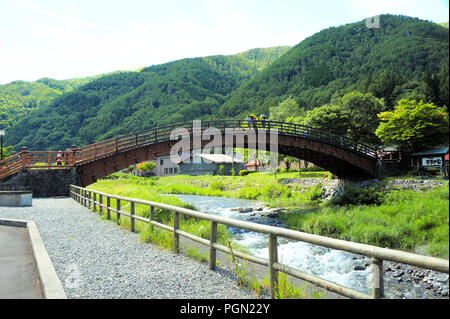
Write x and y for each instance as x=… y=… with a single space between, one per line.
x=341 y=267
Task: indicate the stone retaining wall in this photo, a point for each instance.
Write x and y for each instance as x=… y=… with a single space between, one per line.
x=331 y=186
x=43 y=183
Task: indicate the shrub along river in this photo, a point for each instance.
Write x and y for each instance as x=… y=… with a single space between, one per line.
x=341 y=267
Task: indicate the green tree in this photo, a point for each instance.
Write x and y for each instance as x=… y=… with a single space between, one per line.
x=384 y=85
x=414 y=126
x=361 y=110
x=430 y=86
x=444 y=86
x=331 y=118
x=283 y=110
x=146 y=166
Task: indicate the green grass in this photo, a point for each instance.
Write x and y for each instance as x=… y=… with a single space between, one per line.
x=148 y=233
x=404 y=220
x=401 y=219
x=262 y=187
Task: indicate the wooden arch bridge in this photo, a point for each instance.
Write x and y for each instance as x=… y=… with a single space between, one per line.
x=339 y=155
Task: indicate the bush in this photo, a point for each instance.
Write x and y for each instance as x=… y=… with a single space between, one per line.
x=244 y=172
x=217 y=185
x=146 y=166
x=357 y=196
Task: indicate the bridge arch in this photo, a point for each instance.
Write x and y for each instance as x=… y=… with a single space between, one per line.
x=332 y=152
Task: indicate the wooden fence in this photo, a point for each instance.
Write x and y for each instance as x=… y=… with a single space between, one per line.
x=377 y=255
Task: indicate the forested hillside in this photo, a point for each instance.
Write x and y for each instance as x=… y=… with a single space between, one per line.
x=405 y=57
x=19 y=98
x=126 y=102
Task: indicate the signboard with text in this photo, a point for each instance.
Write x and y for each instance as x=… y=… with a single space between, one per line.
x=431 y=161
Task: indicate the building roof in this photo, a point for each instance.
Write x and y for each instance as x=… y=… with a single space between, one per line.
x=253 y=163
x=219 y=158
x=436 y=151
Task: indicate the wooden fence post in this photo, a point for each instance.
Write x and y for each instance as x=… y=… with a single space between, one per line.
x=273 y=258
x=212 y=250
x=132 y=217
x=72 y=155
x=94 y=197
x=152 y=213
x=176 y=226
x=108 y=204
x=24 y=157
x=377 y=278
x=100 y=203
x=118 y=209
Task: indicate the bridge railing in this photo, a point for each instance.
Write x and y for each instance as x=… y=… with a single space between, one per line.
x=102 y=201
x=35 y=160
x=162 y=134
x=10 y=165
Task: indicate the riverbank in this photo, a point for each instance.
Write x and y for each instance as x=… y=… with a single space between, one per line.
x=401 y=214
x=401 y=219
x=394 y=213
x=263 y=187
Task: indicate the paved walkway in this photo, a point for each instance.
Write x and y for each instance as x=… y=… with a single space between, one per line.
x=18 y=276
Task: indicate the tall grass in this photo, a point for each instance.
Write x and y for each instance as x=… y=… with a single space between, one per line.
x=405 y=220
x=135 y=188
x=256 y=186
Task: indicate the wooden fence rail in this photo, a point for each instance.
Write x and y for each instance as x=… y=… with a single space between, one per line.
x=377 y=255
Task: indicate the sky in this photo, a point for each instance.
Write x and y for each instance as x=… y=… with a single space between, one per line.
x=64 y=39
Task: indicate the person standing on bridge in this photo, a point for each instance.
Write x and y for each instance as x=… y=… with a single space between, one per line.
x=253 y=120
x=248 y=120
x=59 y=159
x=263 y=120
x=66 y=156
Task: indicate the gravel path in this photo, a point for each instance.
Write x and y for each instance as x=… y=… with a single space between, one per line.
x=97 y=259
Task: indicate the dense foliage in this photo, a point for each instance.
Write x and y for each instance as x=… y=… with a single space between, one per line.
x=19 y=98
x=174 y=92
x=404 y=58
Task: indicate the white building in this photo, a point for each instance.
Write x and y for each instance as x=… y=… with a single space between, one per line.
x=166 y=166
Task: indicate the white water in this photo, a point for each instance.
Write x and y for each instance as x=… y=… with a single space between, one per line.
x=333 y=265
